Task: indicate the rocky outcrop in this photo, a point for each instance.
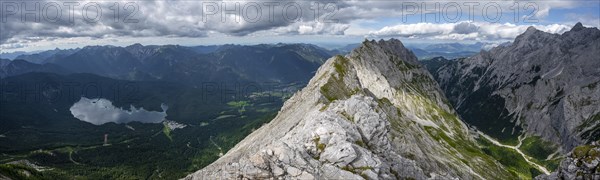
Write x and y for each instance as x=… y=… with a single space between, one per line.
x=373 y=114
x=542 y=84
x=581 y=163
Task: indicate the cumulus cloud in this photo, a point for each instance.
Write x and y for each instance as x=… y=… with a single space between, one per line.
x=312 y=28
x=160 y=18
x=12 y=46
x=198 y=19
x=465 y=30
x=101 y=111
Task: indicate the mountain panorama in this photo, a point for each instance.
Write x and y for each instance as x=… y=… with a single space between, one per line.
x=377 y=113
x=510 y=102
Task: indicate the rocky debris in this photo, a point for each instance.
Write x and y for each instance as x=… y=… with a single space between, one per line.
x=546 y=84
x=373 y=114
x=581 y=163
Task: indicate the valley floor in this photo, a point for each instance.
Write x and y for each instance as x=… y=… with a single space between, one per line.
x=516 y=148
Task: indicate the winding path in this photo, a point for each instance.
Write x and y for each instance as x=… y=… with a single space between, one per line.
x=516 y=148
x=216 y=145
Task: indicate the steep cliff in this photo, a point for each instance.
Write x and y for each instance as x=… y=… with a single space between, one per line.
x=542 y=84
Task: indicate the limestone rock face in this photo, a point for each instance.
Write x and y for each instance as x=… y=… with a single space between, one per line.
x=581 y=163
x=542 y=84
x=373 y=114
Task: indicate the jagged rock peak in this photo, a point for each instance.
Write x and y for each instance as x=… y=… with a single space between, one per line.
x=529 y=34
x=566 y=65
x=392 y=46
x=136 y=45
x=581 y=35
x=578 y=27
x=577 y=33
x=531 y=29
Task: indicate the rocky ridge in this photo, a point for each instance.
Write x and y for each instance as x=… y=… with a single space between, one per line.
x=372 y=114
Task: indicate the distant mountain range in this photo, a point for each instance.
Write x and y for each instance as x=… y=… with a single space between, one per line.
x=422 y=51
x=282 y=63
x=18 y=67
x=446 y=50
x=47 y=56
x=13 y=55
x=214 y=94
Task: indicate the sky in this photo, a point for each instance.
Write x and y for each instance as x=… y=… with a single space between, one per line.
x=41 y=25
